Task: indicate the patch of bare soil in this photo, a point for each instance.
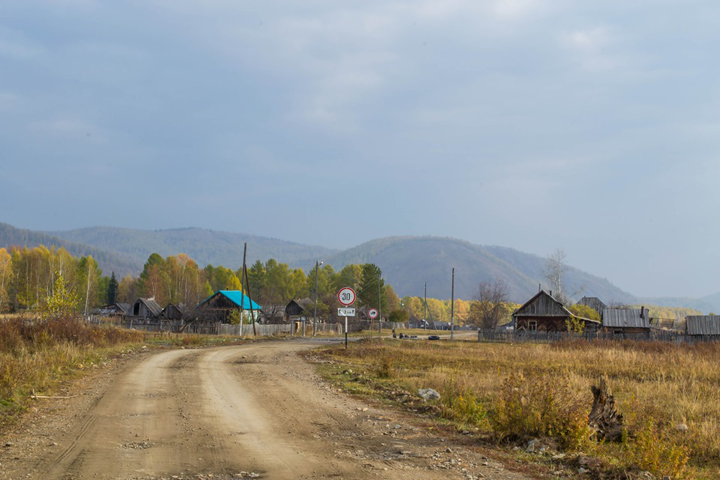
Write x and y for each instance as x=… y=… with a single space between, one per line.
x=252 y=411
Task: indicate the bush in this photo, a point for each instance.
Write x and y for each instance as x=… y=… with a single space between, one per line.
x=654 y=451
x=459 y=402
x=535 y=407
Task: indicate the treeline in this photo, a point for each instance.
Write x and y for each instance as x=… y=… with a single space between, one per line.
x=27 y=279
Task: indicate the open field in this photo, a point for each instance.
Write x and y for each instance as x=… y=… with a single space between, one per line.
x=513 y=393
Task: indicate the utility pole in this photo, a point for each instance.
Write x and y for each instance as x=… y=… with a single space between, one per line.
x=452 y=304
x=317 y=265
x=379 y=308
x=247 y=287
x=425 y=302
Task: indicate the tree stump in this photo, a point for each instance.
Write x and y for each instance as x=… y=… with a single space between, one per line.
x=604 y=418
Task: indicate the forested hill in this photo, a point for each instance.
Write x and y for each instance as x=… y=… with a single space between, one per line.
x=408 y=262
x=202 y=245
x=109 y=261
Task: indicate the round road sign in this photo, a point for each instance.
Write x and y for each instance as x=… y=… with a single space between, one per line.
x=346 y=296
x=373 y=313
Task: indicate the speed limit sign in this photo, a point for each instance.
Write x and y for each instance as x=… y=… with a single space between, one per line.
x=373 y=313
x=346 y=296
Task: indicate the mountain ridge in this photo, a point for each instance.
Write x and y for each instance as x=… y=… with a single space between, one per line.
x=407 y=261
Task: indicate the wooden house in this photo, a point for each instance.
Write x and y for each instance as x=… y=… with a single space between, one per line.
x=113 y=310
x=543 y=313
x=626 y=321
x=221 y=304
x=703 y=325
x=593 y=302
x=173 y=312
x=146 y=308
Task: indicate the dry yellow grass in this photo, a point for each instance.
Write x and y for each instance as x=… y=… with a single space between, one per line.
x=658 y=384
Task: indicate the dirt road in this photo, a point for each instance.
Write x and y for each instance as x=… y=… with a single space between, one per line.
x=255 y=411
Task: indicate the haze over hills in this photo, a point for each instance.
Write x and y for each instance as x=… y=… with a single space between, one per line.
x=407 y=262
x=202 y=245
x=110 y=261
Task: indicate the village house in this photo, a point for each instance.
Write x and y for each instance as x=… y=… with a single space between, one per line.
x=703 y=325
x=146 y=309
x=219 y=306
x=173 y=312
x=543 y=313
x=113 y=310
x=626 y=321
x=593 y=302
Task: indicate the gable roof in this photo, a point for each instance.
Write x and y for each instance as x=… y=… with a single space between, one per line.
x=543 y=305
x=151 y=305
x=625 y=318
x=703 y=324
x=593 y=302
x=294 y=308
x=235 y=296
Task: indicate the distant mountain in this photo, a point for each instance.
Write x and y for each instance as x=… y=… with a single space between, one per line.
x=202 y=245
x=708 y=304
x=409 y=262
x=109 y=261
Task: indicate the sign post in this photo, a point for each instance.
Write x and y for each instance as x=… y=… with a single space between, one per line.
x=346 y=296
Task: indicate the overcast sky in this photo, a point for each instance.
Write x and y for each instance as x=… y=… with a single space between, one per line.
x=533 y=124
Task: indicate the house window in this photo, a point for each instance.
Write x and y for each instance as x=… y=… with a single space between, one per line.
x=532 y=325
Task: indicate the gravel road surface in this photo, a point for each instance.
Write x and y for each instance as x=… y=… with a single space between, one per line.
x=251 y=411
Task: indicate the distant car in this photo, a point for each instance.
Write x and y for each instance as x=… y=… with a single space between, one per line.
x=433 y=337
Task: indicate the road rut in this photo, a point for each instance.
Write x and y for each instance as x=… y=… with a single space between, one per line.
x=253 y=411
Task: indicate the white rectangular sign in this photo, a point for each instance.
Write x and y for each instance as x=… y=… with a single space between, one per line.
x=346 y=312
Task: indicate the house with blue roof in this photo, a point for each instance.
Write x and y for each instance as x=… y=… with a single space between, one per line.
x=222 y=303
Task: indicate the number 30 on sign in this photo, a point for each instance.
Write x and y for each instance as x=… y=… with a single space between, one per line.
x=346 y=296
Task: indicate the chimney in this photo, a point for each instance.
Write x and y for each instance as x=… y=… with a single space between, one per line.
x=642 y=312
x=550 y=293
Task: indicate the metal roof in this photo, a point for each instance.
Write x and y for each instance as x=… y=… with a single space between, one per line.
x=151 y=305
x=625 y=318
x=237 y=297
x=703 y=324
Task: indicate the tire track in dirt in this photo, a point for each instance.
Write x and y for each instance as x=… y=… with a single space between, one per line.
x=243 y=412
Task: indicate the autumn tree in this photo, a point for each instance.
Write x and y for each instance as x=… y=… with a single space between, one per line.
x=63 y=302
x=554 y=273
x=5 y=279
x=487 y=311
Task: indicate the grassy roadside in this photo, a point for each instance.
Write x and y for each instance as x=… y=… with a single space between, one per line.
x=510 y=394
x=38 y=356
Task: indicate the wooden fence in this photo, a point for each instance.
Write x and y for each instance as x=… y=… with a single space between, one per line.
x=549 y=337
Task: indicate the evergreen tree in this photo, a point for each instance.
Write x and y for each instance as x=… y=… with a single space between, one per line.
x=368 y=290
x=112 y=290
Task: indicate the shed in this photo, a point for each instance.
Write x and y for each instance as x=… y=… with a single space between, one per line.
x=704 y=325
x=219 y=305
x=146 y=308
x=173 y=312
x=113 y=310
x=293 y=309
x=543 y=313
x=626 y=320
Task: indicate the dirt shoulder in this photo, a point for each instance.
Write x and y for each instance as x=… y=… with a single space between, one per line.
x=251 y=411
